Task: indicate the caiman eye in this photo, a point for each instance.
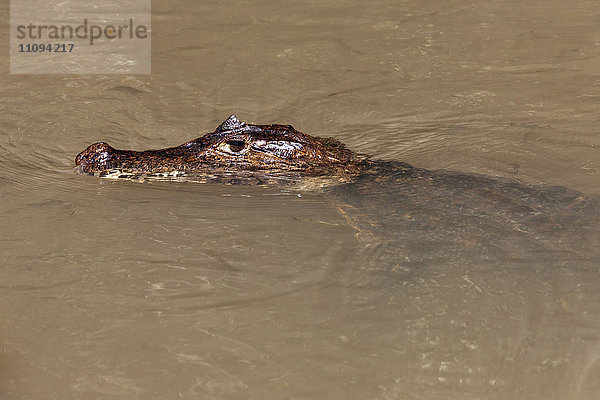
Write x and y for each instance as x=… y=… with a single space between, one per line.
x=233 y=146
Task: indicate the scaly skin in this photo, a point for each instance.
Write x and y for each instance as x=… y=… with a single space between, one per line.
x=233 y=148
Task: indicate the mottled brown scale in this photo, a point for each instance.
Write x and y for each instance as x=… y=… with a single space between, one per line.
x=233 y=146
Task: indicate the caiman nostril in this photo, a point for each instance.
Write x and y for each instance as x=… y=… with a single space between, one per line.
x=93 y=152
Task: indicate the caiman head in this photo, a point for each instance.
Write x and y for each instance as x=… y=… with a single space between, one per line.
x=235 y=151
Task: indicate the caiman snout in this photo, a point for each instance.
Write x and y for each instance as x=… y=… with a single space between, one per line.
x=95 y=155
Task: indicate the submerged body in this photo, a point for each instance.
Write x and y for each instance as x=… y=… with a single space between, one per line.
x=407 y=213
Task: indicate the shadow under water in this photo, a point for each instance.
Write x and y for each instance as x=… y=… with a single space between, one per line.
x=431 y=217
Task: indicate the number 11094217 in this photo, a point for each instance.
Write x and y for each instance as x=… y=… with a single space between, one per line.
x=46 y=48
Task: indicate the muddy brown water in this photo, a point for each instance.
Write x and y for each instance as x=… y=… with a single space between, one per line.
x=121 y=290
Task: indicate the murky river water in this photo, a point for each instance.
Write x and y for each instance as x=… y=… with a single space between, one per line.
x=120 y=290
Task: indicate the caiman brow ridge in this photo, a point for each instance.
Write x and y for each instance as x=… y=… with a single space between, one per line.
x=233 y=148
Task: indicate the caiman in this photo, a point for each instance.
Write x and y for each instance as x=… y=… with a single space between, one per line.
x=408 y=215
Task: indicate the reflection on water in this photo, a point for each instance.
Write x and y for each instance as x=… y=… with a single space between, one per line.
x=122 y=290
